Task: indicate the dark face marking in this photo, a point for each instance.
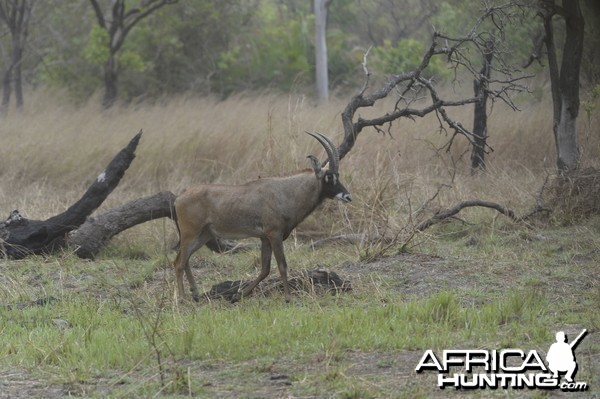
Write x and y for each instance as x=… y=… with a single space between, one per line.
x=332 y=188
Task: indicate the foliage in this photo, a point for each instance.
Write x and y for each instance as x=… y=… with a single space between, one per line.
x=96 y=49
x=406 y=56
x=224 y=47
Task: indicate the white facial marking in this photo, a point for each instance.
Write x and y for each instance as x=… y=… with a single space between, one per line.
x=344 y=197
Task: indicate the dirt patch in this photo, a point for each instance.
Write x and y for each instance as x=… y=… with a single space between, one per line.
x=415 y=275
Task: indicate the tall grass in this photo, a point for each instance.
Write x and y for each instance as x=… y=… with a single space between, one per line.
x=53 y=149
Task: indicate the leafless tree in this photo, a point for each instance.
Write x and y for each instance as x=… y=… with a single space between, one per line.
x=411 y=89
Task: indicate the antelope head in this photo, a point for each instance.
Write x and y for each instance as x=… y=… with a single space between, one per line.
x=332 y=188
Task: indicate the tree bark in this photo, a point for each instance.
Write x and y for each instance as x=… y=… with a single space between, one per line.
x=21 y=237
x=16 y=16
x=111 y=76
x=447 y=213
x=322 y=77
x=6 y=90
x=480 y=133
x=93 y=235
x=565 y=81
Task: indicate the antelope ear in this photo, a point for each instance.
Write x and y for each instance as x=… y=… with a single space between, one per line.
x=316 y=166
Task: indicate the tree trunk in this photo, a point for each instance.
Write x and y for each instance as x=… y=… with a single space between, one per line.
x=322 y=77
x=565 y=84
x=17 y=59
x=480 y=113
x=93 y=235
x=6 y=88
x=110 y=82
x=16 y=16
x=20 y=237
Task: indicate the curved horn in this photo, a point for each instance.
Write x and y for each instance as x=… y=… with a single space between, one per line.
x=330 y=148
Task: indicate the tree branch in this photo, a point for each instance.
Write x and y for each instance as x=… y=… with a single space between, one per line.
x=447 y=213
x=409 y=86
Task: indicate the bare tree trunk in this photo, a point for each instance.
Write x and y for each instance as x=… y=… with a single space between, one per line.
x=6 y=90
x=16 y=62
x=322 y=77
x=480 y=135
x=92 y=236
x=118 y=25
x=565 y=82
x=110 y=82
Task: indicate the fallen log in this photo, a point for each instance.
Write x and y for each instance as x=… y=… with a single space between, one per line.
x=20 y=237
x=93 y=235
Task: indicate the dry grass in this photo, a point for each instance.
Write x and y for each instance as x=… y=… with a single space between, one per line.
x=52 y=150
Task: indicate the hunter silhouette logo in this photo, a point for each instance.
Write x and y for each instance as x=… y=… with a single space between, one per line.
x=507 y=368
x=560 y=356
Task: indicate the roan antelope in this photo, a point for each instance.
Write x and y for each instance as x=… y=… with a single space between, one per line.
x=267 y=208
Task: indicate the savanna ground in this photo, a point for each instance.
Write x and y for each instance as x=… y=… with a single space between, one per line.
x=110 y=328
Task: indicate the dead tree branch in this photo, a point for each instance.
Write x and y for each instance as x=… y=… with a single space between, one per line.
x=91 y=236
x=95 y=233
x=447 y=213
x=412 y=87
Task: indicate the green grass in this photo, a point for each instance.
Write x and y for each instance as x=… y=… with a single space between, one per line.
x=125 y=330
x=106 y=334
x=113 y=323
x=111 y=328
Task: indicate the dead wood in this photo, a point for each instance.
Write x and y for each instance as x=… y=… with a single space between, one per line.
x=318 y=281
x=450 y=212
x=415 y=93
x=343 y=238
x=93 y=235
x=20 y=237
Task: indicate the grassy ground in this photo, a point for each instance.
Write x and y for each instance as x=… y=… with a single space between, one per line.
x=111 y=328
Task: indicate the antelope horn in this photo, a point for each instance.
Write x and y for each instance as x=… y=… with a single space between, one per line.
x=331 y=149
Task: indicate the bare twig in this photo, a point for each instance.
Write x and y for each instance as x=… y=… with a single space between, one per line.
x=410 y=86
x=450 y=212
